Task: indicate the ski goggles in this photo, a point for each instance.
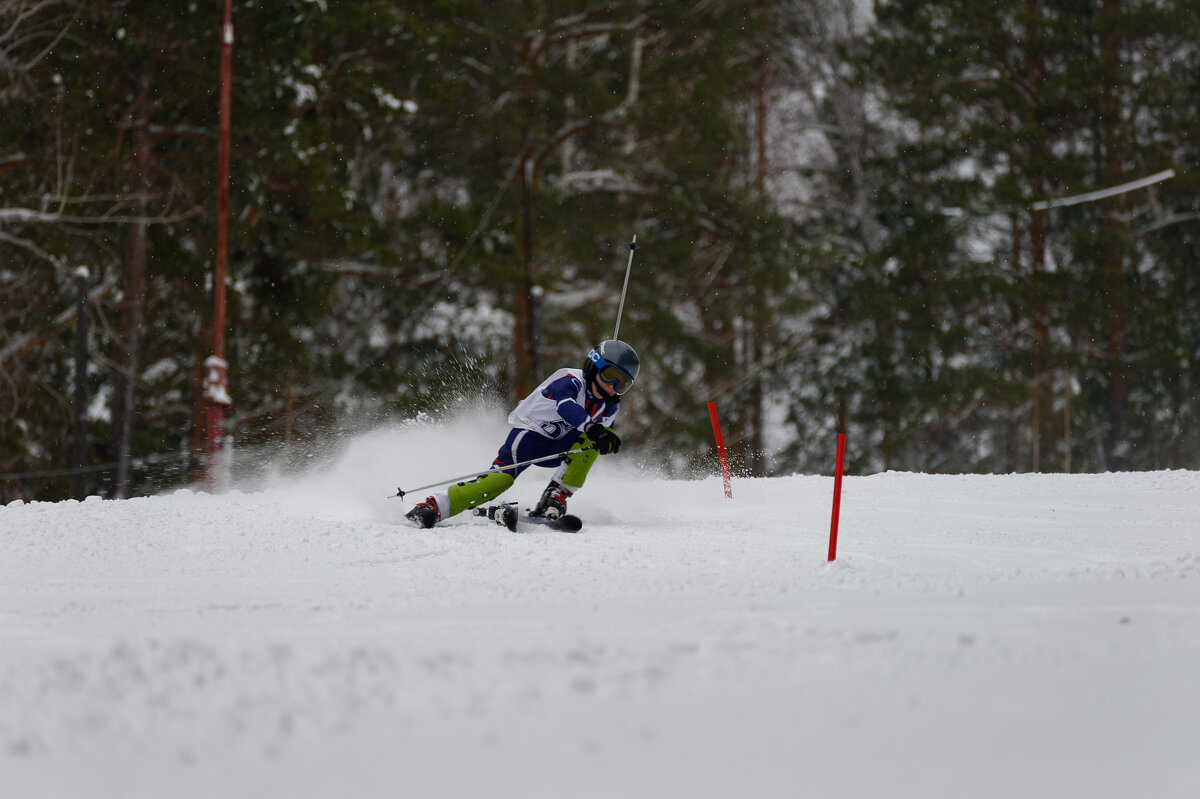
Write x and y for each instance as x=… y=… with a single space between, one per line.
x=610 y=373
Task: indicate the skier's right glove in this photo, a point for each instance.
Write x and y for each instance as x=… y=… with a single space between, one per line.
x=607 y=442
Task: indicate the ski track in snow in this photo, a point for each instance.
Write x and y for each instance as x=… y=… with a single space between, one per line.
x=1032 y=635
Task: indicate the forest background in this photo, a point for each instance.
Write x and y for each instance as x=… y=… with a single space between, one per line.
x=842 y=212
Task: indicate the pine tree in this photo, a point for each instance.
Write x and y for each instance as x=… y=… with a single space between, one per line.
x=1024 y=105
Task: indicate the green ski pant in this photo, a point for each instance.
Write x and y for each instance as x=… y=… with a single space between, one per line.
x=571 y=474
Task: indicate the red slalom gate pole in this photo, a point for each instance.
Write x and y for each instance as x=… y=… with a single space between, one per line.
x=712 y=414
x=837 y=496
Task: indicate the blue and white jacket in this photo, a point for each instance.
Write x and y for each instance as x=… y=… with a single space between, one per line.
x=562 y=405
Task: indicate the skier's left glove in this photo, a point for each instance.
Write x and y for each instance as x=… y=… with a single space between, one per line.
x=607 y=442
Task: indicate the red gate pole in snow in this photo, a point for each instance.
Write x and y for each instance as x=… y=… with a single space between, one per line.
x=837 y=496
x=712 y=414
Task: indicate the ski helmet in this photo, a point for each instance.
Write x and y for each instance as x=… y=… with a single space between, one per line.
x=613 y=362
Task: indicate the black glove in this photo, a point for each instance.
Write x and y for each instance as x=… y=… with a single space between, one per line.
x=607 y=442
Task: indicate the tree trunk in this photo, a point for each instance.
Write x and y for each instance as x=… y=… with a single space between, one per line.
x=1035 y=74
x=756 y=461
x=524 y=325
x=81 y=359
x=1116 y=439
x=196 y=436
x=1041 y=334
x=132 y=311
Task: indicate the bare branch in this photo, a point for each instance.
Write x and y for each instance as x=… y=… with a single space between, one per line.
x=14 y=159
x=23 y=27
x=613 y=117
x=573 y=27
x=1168 y=221
x=17 y=216
x=21 y=344
x=26 y=244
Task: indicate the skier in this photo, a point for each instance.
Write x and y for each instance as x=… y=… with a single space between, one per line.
x=570 y=410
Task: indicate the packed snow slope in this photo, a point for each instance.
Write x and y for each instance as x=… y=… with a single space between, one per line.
x=977 y=636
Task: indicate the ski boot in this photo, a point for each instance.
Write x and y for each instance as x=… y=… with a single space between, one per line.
x=425 y=514
x=553 y=504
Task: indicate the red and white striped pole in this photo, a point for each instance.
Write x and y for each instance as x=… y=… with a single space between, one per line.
x=837 y=496
x=712 y=414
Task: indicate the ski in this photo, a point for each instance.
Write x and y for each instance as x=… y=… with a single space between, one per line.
x=512 y=518
x=567 y=523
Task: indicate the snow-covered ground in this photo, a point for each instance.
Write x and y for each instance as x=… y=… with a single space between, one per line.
x=978 y=636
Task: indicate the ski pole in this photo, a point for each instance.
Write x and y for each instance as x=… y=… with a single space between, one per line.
x=400 y=492
x=629 y=266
